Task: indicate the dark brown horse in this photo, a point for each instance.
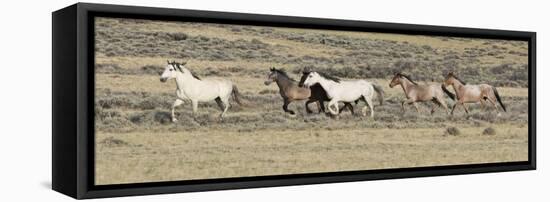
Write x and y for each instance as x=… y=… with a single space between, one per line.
x=290 y=91
x=467 y=93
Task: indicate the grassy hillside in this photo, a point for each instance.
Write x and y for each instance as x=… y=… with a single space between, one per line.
x=346 y=54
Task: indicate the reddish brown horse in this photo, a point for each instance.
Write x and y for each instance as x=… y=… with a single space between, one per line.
x=466 y=93
x=420 y=93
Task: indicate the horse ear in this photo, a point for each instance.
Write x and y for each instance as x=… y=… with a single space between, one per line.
x=168 y=61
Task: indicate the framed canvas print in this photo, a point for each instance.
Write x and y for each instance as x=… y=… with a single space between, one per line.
x=154 y=100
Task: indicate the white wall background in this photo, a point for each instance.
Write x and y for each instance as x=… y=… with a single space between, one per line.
x=25 y=101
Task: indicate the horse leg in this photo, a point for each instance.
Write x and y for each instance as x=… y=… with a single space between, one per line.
x=442 y=104
x=350 y=107
x=225 y=103
x=465 y=108
x=454 y=106
x=341 y=109
x=220 y=103
x=195 y=104
x=307 y=107
x=321 y=106
x=331 y=105
x=460 y=102
x=407 y=101
x=482 y=103
x=416 y=107
x=371 y=107
x=493 y=103
x=178 y=102
x=347 y=105
x=492 y=100
x=285 y=107
x=435 y=103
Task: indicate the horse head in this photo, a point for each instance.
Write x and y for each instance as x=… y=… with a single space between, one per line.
x=310 y=79
x=169 y=72
x=271 y=76
x=396 y=79
x=450 y=78
x=305 y=73
x=400 y=78
x=171 y=69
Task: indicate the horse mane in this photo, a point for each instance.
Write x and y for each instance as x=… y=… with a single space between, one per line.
x=282 y=72
x=459 y=80
x=195 y=76
x=408 y=78
x=329 y=77
x=192 y=74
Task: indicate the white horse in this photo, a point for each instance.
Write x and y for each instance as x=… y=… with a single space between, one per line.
x=345 y=91
x=191 y=87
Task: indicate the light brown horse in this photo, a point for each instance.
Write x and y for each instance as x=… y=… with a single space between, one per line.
x=466 y=93
x=420 y=93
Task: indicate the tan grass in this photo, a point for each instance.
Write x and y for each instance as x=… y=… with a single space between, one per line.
x=154 y=156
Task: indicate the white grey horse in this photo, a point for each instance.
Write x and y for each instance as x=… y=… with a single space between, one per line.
x=191 y=87
x=345 y=91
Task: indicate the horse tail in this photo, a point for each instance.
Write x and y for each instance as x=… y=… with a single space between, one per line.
x=498 y=98
x=380 y=93
x=236 y=95
x=451 y=95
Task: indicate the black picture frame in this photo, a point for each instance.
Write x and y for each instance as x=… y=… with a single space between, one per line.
x=73 y=95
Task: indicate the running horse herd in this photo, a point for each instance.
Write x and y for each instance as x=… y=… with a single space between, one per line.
x=317 y=87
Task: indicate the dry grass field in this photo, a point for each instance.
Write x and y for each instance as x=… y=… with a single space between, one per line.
x=137 y=142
